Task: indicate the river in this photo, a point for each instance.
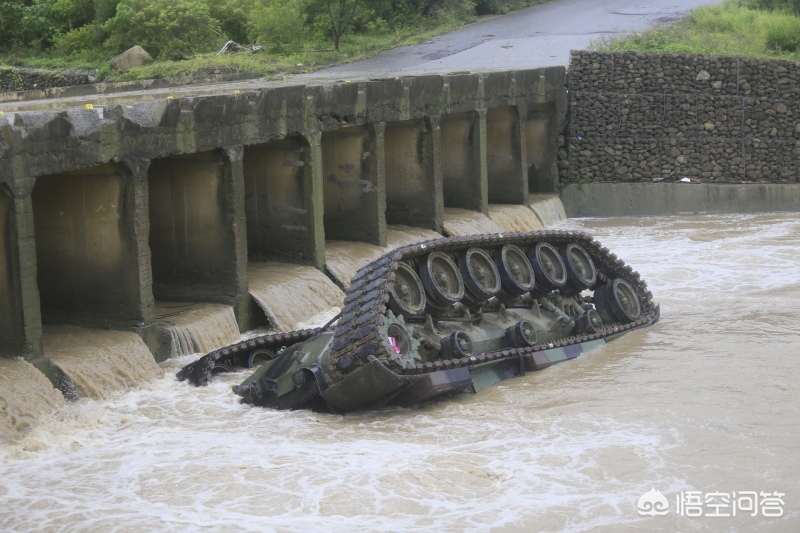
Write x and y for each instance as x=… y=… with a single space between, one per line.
x=705 y=400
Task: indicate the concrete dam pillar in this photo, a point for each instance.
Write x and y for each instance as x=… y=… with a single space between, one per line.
x=506 y=147
x=464 y=167
x=541 y=141
x=413 y=174
x=20 y=322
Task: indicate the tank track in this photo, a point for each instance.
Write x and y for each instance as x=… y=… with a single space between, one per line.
x=199 y=372
x=357 y=336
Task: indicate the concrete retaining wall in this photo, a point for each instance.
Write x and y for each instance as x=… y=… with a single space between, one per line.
x=652 y=199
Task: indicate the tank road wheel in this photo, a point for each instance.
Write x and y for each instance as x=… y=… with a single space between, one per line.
x=456 y=346
x=516 y=272
x=588 y=323
x=481 y=278
x=258 y=357
x=581 y=272
x=617 y=302
x=439 y=275
x=521 y=335
x=407 y=294
x=548 y=268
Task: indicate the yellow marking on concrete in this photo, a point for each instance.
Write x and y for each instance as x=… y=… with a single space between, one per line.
x=88 y=106
x=236 y=91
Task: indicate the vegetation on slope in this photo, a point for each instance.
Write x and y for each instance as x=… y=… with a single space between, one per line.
x=761 y=28
x=183 y=35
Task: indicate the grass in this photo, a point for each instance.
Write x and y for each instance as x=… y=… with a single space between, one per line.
x=352 y=47
x=730 y=28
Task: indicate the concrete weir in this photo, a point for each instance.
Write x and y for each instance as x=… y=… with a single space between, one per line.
x=164 y=216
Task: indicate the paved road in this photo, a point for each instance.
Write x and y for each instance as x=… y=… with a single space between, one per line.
x=534 y=37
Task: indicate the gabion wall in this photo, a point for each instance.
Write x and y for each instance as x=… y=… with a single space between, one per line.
x=645 y=117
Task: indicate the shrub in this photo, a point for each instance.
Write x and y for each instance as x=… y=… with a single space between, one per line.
x=233 y=17
x=165 y=28
x=783 y=34
x=76 y=41
x=10 y=30
x=279 y=25
x=792 y=6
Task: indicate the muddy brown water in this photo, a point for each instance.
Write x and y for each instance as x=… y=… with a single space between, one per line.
x=707 y=400
x=197 y=327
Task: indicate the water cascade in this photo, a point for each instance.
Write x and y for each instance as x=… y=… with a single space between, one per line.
x=460 y=222
x=197 y=328
x=548 y=208
x=292 y=295
x=514 y=217
x=25 y=396
x=400 y=235
x=344 y=258
x=99 y=362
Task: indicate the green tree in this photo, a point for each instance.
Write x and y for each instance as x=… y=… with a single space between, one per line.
x=165 y=28
x=341 y=16
x=279 y=24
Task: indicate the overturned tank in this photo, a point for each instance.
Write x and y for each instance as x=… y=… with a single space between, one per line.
x=444 y=316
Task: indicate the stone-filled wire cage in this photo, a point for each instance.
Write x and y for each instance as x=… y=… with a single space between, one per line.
x=665 y=117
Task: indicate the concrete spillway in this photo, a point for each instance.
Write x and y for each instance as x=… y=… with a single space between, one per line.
x=166 y=227
x=99 y=363
x=291 y=295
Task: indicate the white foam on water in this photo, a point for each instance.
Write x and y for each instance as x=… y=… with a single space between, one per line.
x=174 y=458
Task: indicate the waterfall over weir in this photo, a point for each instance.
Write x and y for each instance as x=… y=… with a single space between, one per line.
x=292 y=295
x=99 y=362
x=548 y=208
x=197 y=328
x=460 y=222
x=344 y=258
x=514 y=217
x=25 y=396
x=399 y=235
